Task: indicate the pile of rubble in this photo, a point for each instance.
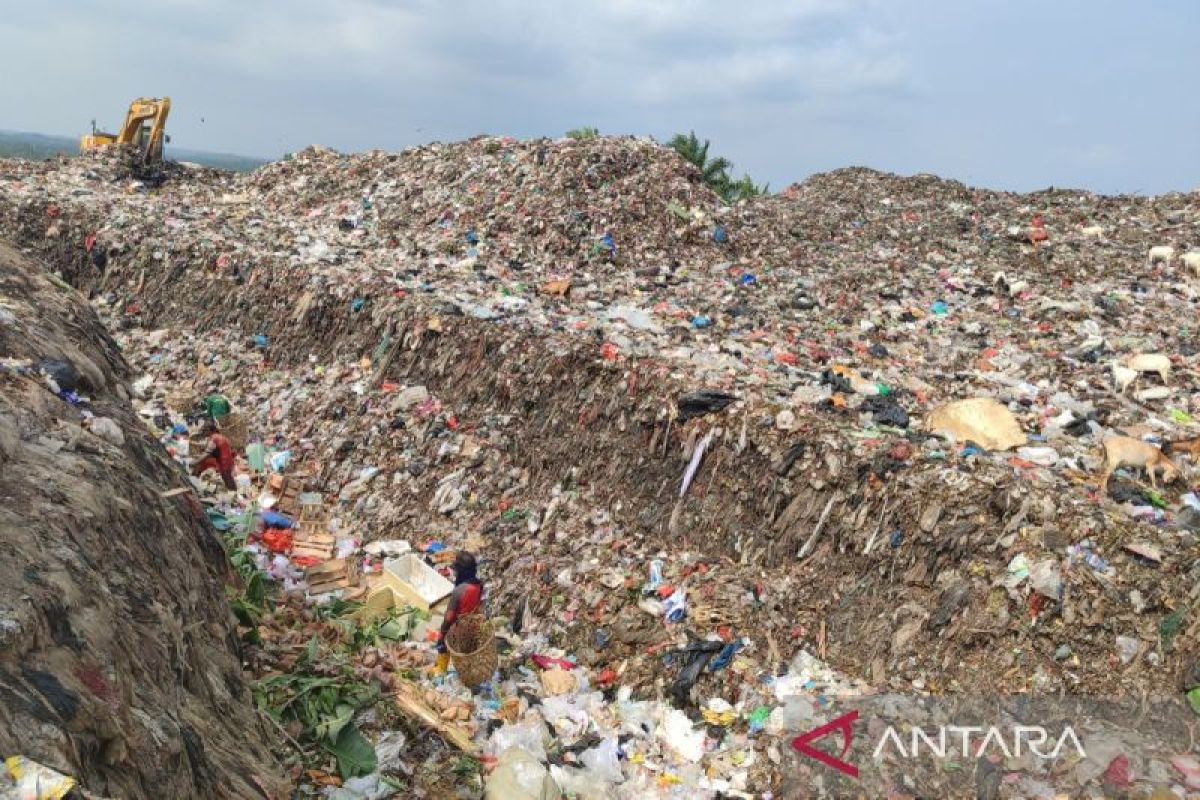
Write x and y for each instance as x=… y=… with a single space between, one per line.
x=665 y=423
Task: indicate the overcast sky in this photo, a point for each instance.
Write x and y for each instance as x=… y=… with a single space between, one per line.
x=1015 y=95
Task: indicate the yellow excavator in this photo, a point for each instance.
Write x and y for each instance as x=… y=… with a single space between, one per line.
x=144 y=128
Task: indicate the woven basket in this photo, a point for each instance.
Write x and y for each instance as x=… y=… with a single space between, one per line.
x=471 y=643
x=236 y=429
x=181 y=400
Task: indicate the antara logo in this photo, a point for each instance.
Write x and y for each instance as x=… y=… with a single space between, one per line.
x=845 y=724
x=974 y=741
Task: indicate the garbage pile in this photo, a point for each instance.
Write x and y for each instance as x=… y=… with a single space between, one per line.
x=699 y=448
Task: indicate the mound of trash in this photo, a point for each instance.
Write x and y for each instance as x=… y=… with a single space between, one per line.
x=119 y=667
x=712 y=457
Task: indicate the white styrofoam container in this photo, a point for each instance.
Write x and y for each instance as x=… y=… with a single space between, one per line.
x=414 y=582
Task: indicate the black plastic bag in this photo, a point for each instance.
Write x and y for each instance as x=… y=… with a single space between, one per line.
x=696 y=657
x=63 y=373
x=697 y=404
x=839 y=382
x=886 y=411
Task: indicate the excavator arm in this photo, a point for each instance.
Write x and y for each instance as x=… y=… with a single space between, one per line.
x=145 y=127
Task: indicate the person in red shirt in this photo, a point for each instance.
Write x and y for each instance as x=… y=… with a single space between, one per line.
x=467 y=598
x=218 y=457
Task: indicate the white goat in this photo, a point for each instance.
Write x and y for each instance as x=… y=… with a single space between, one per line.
x=1149 y=362
x=1122 y=376
x=1191 y=260
x=1163 y=252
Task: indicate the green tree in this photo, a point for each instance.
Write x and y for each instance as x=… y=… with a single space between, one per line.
x=744 y=188
x=583 y=133
x=714 y=171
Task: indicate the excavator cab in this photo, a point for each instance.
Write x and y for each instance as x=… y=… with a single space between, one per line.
x=144 y=128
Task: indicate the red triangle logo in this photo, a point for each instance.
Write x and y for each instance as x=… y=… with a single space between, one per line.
x=845 y=724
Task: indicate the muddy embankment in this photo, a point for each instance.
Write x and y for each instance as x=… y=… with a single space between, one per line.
x=120 y=662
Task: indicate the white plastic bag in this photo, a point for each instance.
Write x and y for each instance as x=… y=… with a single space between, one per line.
x=520 y=776
x=529 y=736
x=603 y=763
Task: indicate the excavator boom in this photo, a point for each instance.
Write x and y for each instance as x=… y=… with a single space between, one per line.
x=145 y=126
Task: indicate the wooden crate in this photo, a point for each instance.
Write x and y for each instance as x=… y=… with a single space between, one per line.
x=314 y=512
x=338 y=573
x=312 y=538
x=316 y=545
x=288 y=495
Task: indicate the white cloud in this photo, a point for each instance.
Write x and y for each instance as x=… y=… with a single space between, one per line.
x=936 y=85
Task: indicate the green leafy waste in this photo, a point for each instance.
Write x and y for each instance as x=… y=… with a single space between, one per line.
x=325 y=707
x=355 y=755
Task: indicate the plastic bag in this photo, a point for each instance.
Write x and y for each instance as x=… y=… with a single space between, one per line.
x=696 y=655
x=27 y=778
x=603 y=762
x=520 y=776
x=705 y=401
x=529 y=736
x=1046 y=579
x=681 y=736
x=63 y=373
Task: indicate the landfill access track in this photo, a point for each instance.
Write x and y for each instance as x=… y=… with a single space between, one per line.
x=714 y=460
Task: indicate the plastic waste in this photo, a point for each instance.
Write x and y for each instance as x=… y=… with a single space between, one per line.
x=675 y=606
x=656 y=576
x=697 y=404
x=529 y=735
x=603 y=762
x=520 y=776
x=718 y=711
x=26 y=778
x=1083 y=552
x=1042 y=456
x=726 y=655
x=1127 y=648
x=256 y=456
x=885 y=410
x=279 y=460
x=63 y=373
x=678 y=732
x=1045 y=578
x=696 y=656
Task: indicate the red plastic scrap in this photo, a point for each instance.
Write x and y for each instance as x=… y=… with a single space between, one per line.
x=546 y=662
x=278 y=540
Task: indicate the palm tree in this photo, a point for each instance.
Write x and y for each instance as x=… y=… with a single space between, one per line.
x=715 y=172
x=744 y=188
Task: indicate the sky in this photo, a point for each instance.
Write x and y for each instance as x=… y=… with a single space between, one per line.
x=1017 y=95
